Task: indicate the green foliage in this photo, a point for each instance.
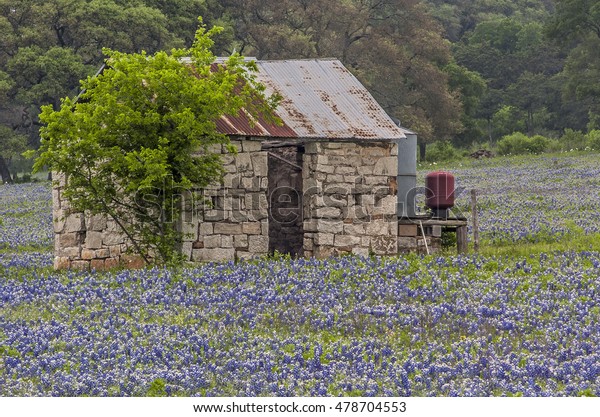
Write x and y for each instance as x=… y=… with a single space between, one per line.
x=514 y=144
x=157 y=388
x=141 y=134
x=572 y=140
x=518 y=143
x=506 y=121
x=441 y=151
x=11 y=143
x=593 y=140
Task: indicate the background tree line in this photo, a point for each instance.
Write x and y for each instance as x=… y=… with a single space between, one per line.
x=460 y=70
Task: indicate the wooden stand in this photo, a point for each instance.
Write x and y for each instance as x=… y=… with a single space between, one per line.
x=410 y=229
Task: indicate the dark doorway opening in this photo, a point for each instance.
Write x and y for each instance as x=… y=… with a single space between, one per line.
x=286 y=232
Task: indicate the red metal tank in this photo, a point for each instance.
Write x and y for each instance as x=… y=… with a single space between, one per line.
x=439 y=190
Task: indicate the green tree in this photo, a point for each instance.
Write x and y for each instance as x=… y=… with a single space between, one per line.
x=576 y=25
x=46 y=47
x=140 y=134
x=471 y=86
x=11 y=145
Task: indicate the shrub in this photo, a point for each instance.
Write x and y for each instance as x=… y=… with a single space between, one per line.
x=518 y=144
x=573 y=139
x=515 y=144
x=538 y=144
x=592 y=139
x=441 y=151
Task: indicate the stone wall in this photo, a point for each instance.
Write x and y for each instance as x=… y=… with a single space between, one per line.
x=231 y=221
x=350 y=198
x=348 y=202
x=233 y=224
x=84 y=241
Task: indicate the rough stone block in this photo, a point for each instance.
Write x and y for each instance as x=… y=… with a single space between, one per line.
x=329 y=226
x=96 y=223
x=59 y=224
x=213 y=255
x=113 y=238
x=72 y=253
x=230 y=168
x=97 y=264
x=436 y=231
x=322 y=252
x=364 y=170
x=327 y=169
x=312 y=148
x=310 y=225
x=378 y=228
x=237 y=144
x=250 y=183
x=115 y=251
x=74 y=223
x=384 y=245
x=328 y=213
x=354 y=229
x=55 y=199
x=213 y=241
x=324 y=239
x=102 y=253
x=308 y=245
x=345 y=170
x=245 y=256
x=421 y=241
x=258 y=244
x=386 y=205
x=80 y=265
x=386 y=166
x=87 y=254
x=226 y=241
x=62 y=262
x=240 y=241
x=360 y=251
x=260 y=164
x=111 y=263
x=380 y=181
x=205 y=229
x=93 y=240
x=375 y=151
x=347 y=240
x=264 y=227
x=243 y=162
x=228 y=228
x=132 y=261
x=258 y=215
x=66 y=240
x=251 y=146
x=251 y=228
x=407 y=243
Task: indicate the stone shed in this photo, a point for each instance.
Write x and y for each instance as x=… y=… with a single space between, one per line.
x=323 y=183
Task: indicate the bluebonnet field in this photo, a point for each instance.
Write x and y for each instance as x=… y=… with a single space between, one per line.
x=532 y=200
x=435 y=325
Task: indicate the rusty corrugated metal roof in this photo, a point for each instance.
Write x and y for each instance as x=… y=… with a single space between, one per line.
x=321 y=99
